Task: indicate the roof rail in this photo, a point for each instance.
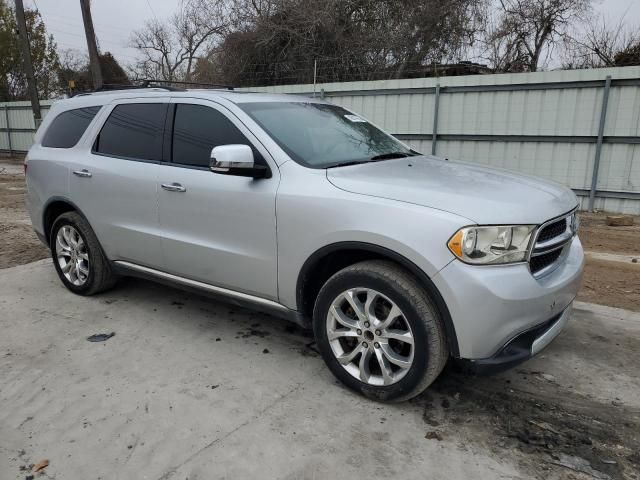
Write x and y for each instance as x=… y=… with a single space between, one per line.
x=107 y=87
x=152 y=83
x=111 y=87
x=162 y=83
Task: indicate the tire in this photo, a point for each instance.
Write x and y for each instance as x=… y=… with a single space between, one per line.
x=99 y=276
x=386 y=284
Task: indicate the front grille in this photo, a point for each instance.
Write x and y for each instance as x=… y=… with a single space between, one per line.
x=542 y=261
x=552 y=239
x=552 y=230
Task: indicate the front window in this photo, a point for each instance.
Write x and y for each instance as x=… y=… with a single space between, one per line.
x=319 y=135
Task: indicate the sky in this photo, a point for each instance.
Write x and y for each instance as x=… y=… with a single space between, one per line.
x=115 y=20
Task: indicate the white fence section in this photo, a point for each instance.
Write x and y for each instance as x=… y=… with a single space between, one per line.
x=549 y=124
x=17 y=126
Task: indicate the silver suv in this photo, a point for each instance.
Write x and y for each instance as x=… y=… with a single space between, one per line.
x=397 y=260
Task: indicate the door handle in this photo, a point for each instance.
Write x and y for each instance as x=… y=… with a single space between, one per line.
x=82 y=173
x=173 y=187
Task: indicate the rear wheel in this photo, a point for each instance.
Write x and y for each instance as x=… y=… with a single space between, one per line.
x=379 y=332
x=78 y=257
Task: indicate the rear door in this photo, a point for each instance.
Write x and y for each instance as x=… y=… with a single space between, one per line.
x=115 y=184
x=218 y=229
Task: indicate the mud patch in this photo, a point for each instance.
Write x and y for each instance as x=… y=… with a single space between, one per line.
x=545 y=426
x=252 y=332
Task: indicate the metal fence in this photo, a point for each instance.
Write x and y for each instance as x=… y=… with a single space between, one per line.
x=580 y=128
x=17 y=126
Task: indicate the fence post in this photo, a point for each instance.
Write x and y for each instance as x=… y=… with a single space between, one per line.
x=6 y=117
x=436 y=106
x=596 y=161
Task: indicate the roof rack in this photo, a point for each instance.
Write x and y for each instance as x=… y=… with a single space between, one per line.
x=108 y=87
x=162 y=83
x=152 y=83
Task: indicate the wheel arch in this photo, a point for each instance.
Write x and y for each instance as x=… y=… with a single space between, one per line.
x=55 y=207
x=326 y=261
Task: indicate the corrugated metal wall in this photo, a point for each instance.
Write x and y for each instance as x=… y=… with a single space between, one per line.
x=543 y=123
x=484 y=118
x=22 y=127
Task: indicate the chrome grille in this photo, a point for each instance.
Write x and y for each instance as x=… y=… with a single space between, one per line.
x=551 y=242
x=552 y=230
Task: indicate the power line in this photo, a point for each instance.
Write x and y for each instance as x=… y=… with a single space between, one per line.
x=152 y=12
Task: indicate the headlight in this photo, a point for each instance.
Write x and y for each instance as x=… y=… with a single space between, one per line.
x=492 y=245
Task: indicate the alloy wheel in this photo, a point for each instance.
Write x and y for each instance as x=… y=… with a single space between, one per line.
x=370 y=336
x=72 y=255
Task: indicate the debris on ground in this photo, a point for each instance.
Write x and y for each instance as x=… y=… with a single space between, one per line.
x=101 y=337
x=544 y=426
x=619 y=220
x=252 y=332
x=41 y=465
x=433 y=436
x=266 y=350
x=578 y=464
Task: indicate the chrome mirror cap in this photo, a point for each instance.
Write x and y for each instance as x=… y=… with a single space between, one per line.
x=227 y=157
x=237 y=160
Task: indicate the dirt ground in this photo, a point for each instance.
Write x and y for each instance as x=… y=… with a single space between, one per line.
x=612 y=283
x=18 y=243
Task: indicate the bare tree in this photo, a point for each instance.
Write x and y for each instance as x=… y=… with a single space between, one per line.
x=531 y=29
x=599 y=43
x=170 y=49
x=499 y=47
x=283 y=41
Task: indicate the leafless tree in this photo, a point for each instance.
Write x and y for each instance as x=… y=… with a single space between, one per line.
x=529 y=30
x=499 y=47
x=599 y=42
x=280 y=41
x=170 y=49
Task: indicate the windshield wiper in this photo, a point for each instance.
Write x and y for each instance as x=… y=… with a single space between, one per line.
x=377 y=158
x=390 y=155
x=353 y=162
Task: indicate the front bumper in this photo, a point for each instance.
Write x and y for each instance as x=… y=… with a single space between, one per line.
x=522 y=347
x=495 y=309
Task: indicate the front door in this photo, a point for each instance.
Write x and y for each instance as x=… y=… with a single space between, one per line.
x=218 y=229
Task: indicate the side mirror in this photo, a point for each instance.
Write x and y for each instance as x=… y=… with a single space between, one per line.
x=236 y=160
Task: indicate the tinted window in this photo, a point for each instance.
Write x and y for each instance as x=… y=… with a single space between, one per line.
x=67 y=128
x=197 y=129
x=133 y=130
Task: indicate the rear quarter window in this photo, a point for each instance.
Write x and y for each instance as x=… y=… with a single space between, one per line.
x=67 y=128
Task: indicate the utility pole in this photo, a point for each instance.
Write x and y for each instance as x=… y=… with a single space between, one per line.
x=94 y=60
x=28 y=66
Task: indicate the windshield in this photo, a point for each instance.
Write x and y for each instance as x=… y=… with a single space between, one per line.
x=318 y=135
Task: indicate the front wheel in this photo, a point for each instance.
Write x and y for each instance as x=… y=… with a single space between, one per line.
x=379 y=332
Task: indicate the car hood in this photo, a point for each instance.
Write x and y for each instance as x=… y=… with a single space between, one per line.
x=485 y=195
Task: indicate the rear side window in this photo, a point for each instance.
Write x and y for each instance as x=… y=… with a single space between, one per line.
x=197 y=129
x=133 y=130
x=67 y=128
